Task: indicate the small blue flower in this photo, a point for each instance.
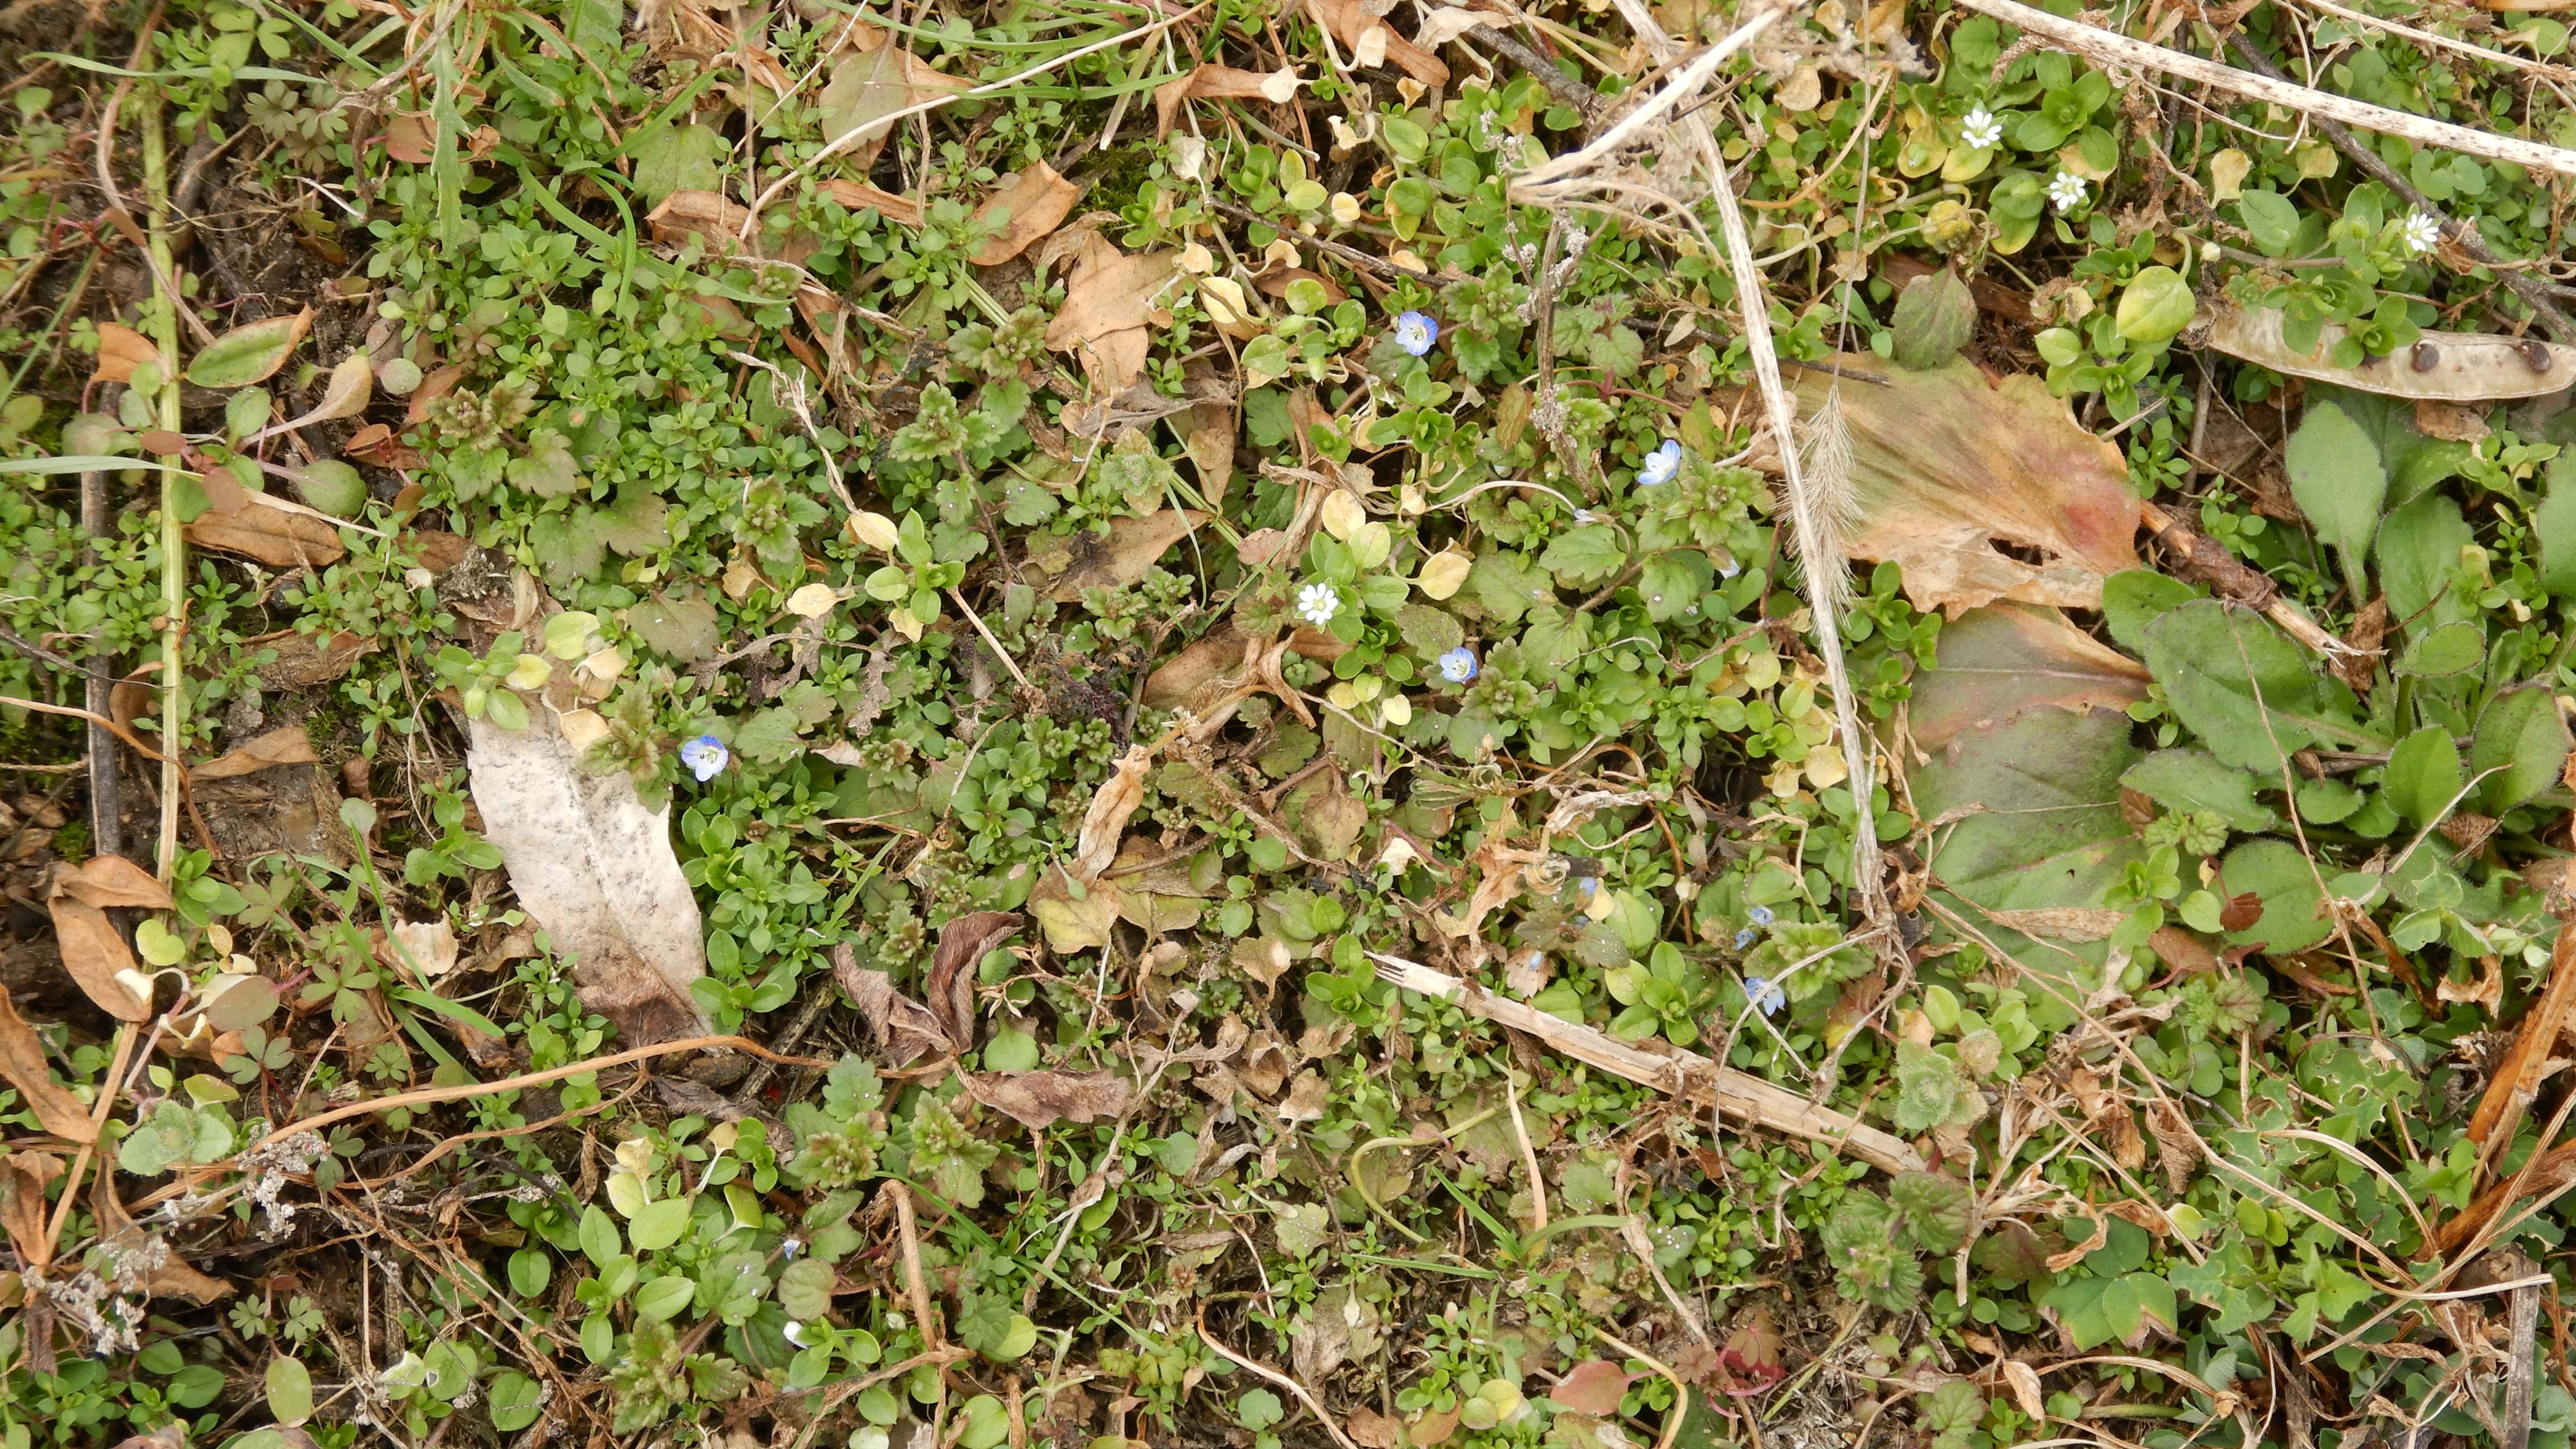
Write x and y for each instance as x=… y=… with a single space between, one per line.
x=1765 y=994
x=1661 y=464
x=788 y=1248
x=1458 y=665
x=1416 y=331
x=705 y=756
x=1730 y=568
x=1761 y=915
x=1583 y=515
x=1587 y=886
x=1744 y=938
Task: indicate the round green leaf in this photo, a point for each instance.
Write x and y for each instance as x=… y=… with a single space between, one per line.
x=515 y=1401
x=660 y=1224
x=290 y=1391
x=2156 y=306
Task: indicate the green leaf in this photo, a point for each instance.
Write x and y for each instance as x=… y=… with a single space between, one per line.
x=1258 y=1409
x=290 y=1391
x=664 y=1297
x=599 y=1240
x=1427 y=631
x=1586 y=556
x=531 y=1269
x=2197 y=780
x=2271 y=219
x=2423 y=774
x=805 y=1290
x=2045 y=828
x=2134 y=598
x=1673 y=582
x=671 y=158
x=2419 y=562
x=1935 y=316
x=1929 y=1090
x=2339 y=482
x=515 y=1401
x=2282 y=879
x=2155 y=306
x=2523 y=732
x=1937 y=1209
x=2214 y=662
x=2554 y=521
x=2445 y=650
x=660 y=1224
x=249 y=354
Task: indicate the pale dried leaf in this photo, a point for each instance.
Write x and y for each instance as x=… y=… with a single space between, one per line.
x=1111 y=301
x=2443 y=366
x=1042 y=1099
x=1442 y=24
x=860 y=196
x=2025 y=1389
x=1997 y=661
x=1106 y=818
x=868 y=88
x=23 y=1176
x=1350 y=21
x=288 y=746
x=709 y=215
x=1122 y=558
x=120 y=350
x=94 y=951
x=168 y=1276
x=429 y=947
x=1946 y=466
x=2061 y=923
x=595 y=868
x=22 y=1062
x=1031 y=204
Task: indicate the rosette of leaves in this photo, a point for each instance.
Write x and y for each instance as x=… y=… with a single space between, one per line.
x=838 y=1141
x=942 y=1155
x=1874 y=1242
x=651 y=1376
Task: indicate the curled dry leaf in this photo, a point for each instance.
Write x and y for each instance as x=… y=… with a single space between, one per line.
x=22 y=1062
x=93 y=949
x=250 y=353
x=962 y=943
x=288 y=746
x=1222 y=83
x=1351 y=22
x=120 y=350
x=1106 y=819
x=1593 y=1387
x=1122 y=558
x=709 y=215
x=903 y=1027
x=2441 y=366
x=159 y=1272
x=2024 y=1381
x=23 y=1176
x=594 y=866
x=270 y=530
x=869 y=87
x=1111 y=300
x=428 y=947
x=1030 y=205
x=1946 y=467
x=1042 y=1099
x=352 y=383
x=860 y=196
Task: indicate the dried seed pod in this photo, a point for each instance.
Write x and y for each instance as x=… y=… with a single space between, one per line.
x=2443 y=367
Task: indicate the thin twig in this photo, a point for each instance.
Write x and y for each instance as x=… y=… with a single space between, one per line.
x=106 y=818
x=1313 y=1405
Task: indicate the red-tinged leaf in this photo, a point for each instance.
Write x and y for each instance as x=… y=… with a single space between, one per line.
x=1593 y=1388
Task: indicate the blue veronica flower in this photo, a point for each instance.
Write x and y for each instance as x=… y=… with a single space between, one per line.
x=1761 y=915
x=1744 y=938
x=1661 y=464
x=1766 y=994
x=1416 y=331
x=1458 y=665
x=705 y=756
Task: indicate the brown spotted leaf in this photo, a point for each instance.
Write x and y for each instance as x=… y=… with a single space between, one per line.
x=1042 y=1099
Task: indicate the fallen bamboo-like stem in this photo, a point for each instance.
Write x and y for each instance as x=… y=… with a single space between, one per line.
x=2234 y=580
x=1688 y=1075
x=2107 y=47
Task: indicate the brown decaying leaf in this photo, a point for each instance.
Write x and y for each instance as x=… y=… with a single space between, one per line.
x=1042 y=1099
x=22 y=1061
x=2066 y=923
x=860 y=196
x=1122 y=558
x=1106 y=818
x=711 y=215
x=595 y=868
x=239 y=522
x=2463 y=367
x=2242 y=910
x=170 y=1277
x=904 y=1028
x=1593 y=1387
x=120 y=350
x=1947 y=466
x=1221 y=83
x=1111 y=301
x=1350 y=20
x=962 y=943
x=428 y=947
x=288 y=746
x=2177 y=1150
x=1373 y=1430
x=1997 y=661
x=23 y=1176
x=2182 y=950
x=1031 y=204
x=93 y=950
x=1211 y=428
x=870 y=86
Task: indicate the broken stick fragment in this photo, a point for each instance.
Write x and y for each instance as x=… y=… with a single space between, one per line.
x=1739 y=1095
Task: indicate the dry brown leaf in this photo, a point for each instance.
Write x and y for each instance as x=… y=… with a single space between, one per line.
x=2025 y=1389
x=2177 y=1149
x=2449 y=421
x=2535 y=1041
x=869 y=87
x=428 y=947
x=120 y=350
x=288 y=746
x=1997 y=661
x=1030 y=205
x=1350 y=22
x=270 y=535
x=860 y=196
x=1133 y=544
x=1106 y=818
x=1946 y=468
x=22 y=1062
x=23 y=1176
x=1305 y=1100
x=904 y=1028
x=594 y=867
x=1111 y=302
x=1211 y=428
x=1373 y=1430
x=2443 y=366
x=711 y=215
x=167 y=1276
x=2067 y=923
x=951 y=987
x=2486 y=991
x=1042 y=1099
x=93 y=949
x=2182 y=950
x=1222 y=83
